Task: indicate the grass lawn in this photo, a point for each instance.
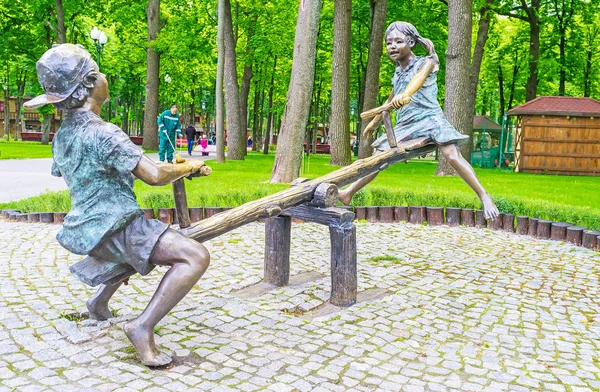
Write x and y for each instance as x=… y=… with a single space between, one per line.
x=28 y=150
x=22 y=150
x=560 y=198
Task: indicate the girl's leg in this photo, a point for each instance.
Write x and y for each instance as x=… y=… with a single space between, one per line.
x=98 y=304
x=466 y=172
x=188 y=260
x=345 y=196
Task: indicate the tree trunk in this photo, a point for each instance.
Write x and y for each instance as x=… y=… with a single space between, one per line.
x=501 y=87
x=341 y=154
x=61 y=33
x=152 y=78
x=295 y=116
x=270 y=113
x=46 y=128
x=458 y=83
x=219 y=84
x=6 y=112
x=236 y=136
x=534 y=50
x=372 y=73
x=255 y=134
x=19 y=123
x=563 y=65
x=512 y=83
x=587 y=72
x=246 y=79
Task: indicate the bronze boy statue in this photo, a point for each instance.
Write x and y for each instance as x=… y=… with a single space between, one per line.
x=418 y=112
x=98 y=162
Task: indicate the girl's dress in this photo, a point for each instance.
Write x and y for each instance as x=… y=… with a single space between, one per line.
x=423 y=116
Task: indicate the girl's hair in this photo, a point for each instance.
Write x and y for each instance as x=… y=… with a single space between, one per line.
x=410 y=31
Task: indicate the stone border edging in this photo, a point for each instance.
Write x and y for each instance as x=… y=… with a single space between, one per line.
x=434 y=216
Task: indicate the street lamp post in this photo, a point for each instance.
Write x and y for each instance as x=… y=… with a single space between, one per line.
x=100 y=39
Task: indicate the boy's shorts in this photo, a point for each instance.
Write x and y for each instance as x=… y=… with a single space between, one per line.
x=132 y=245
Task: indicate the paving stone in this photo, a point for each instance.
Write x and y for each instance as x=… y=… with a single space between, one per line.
x=510 y=316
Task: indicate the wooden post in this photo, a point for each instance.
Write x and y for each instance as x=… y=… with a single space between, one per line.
x=372 y=214
x=435 y=216
x=532 y=228
x=196 y=214
x=508 y=223
x=33 y=217
x=401 y=214
x=277 y=250
x=417 y=215
x=543 y=229
x=590 y=238
x=343 y=264
x=467 y=217
x=165 y=215
x=575 y=234
x=148 y=213
x=522 y=225
x=386 y=214
x=558 y=231
x=480 y=222
x=452 y=216
x=59 y=217
x=46 y=217
x=497 y=223
x=361 y=213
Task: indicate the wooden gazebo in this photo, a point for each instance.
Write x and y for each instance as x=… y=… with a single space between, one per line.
x=558 y=135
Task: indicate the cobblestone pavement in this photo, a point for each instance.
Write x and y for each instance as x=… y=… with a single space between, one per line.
x=465 y=310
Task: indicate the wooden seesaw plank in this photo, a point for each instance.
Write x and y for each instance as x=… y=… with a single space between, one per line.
x=94 y=272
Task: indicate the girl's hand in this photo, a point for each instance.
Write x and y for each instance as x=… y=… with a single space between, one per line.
x=372 y=126
x=400 y=100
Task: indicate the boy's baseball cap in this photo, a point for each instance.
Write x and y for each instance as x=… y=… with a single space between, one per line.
x=60 y=71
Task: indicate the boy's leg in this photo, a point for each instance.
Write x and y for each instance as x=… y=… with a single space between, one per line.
x=188 y=260
x=98 y=303
x=466 y=172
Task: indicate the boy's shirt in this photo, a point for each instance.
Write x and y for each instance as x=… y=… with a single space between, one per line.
x=95 y=159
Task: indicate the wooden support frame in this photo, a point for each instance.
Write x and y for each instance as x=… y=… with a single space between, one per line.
x=342 y=234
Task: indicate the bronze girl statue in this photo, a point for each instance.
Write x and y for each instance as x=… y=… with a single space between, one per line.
x=418 y=113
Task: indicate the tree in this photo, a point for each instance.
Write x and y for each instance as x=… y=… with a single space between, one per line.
x=295 y=116
x=340 y=84
x=152 y=77
x=61 y=33
x=532 y=12
x=458 y=83
x=219 y=84
x=236 y=136
x=371 y=81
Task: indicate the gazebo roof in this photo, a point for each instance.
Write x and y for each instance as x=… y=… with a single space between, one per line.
x=558 y=106
x=490 y=125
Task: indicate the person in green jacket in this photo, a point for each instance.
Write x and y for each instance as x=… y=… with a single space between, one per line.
x=168 y=127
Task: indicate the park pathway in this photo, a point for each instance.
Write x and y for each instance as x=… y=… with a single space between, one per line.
x=462 y=310
x=23 y=178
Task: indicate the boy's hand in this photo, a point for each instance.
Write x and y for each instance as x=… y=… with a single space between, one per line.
x=400 y=100
x=196 y=166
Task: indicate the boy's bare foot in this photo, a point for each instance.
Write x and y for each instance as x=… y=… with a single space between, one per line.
x=344 y=197
x=143 y=342
x=490 y=211
x=98 y=311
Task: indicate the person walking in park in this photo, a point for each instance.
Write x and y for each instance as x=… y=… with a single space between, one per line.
x=190 y=133
x=418 y=113
x=169 y=126
x=98 y=162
